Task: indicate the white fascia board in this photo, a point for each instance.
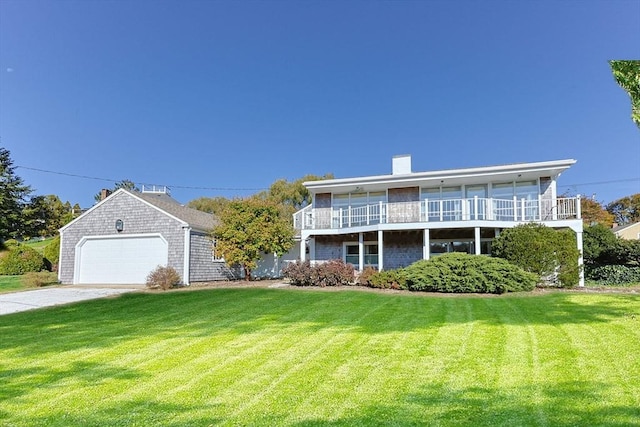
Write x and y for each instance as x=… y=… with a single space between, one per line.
x=88 y=211
x=122 y=190
x=553 y=168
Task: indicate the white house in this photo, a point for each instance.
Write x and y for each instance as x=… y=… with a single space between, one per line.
x=391 y=221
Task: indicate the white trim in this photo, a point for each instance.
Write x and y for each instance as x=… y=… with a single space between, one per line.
x=426 y=248
x=580 y=258
x=120 y=191
x=84 y=239
x=186 y=268
x=552 y=168
x=360 y=249
x=380 y=250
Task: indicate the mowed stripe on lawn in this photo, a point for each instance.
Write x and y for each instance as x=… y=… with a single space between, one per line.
x=292 y=357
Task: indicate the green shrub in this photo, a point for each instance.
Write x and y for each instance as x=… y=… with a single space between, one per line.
x=597 y=240
x=613 y=274
x=459 y=272
x=20 y=259
x=39 y=279
x=386 y=279
x=163 y=278
x=51 y=253
x=550 y=254
x=11 y=243
x=329 y=273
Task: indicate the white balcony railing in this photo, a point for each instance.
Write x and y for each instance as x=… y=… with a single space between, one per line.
x=474 y=209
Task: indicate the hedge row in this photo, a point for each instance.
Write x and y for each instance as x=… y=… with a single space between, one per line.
x=330 y=273
x=613 y=274
x=456 y=272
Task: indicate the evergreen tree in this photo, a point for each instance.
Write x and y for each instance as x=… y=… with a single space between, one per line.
x=13 y=197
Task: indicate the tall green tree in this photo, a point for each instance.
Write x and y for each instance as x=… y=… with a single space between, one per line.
x=627 y=75
x=13 y=197
x=125 y=183
x=45 y=215
x=249 y=228
x=212 y=205
x=626 y=210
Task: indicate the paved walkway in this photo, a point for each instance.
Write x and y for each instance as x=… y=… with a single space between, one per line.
x=30 y=300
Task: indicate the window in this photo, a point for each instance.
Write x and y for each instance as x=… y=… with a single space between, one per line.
x=352 y=254
x=444 y=203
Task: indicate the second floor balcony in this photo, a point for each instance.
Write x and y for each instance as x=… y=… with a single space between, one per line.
x=441 y=210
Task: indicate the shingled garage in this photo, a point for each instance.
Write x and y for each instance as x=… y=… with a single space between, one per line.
x=128 y=234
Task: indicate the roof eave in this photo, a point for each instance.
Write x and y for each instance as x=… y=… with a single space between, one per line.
x=552 y=167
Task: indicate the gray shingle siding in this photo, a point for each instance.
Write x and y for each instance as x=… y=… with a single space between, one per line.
x=138 y=218
x=202 y=268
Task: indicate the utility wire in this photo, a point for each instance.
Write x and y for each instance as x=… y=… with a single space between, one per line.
x=116 y=180
x=615 y=181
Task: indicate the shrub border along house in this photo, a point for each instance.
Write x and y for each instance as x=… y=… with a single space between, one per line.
x=449 y=273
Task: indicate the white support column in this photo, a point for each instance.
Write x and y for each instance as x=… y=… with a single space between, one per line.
x=186 y=271
x=360 y=251
x=477 y=239
x=578 y=207
x=425 y=245
x=580 y=258
x=380 y=250
x=303 y=249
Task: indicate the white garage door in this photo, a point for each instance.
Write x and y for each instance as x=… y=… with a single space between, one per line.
x=119 y=260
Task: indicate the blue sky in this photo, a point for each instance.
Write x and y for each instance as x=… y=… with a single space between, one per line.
x=232 y=96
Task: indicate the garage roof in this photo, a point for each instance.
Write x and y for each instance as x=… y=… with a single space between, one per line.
x=196 y=219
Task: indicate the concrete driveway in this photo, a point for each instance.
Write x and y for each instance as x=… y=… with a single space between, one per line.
x=30 y=300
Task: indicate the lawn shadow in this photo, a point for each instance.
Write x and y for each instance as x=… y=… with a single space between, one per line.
x=563 y=404
x=20 y=381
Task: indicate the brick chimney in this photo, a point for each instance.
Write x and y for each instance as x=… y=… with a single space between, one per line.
x=104 y=193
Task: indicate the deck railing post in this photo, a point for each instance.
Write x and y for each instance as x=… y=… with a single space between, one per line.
x=515 y=208
x=522 y=209
x=578 y=207
x=475 y=207
x=426 y=210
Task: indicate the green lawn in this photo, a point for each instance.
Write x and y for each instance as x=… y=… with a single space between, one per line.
x=11 y=284
x=38 y=245
x=313 y=358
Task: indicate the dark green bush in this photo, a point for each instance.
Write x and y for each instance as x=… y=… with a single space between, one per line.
x=163 y=278
x=613 y=274
x=597 y=240
x=458 y=272
x=51 y=253
x=20 y=259
x=550 y=254
x=330 y=273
